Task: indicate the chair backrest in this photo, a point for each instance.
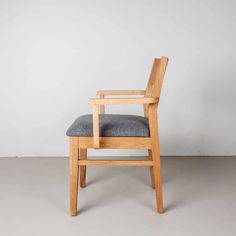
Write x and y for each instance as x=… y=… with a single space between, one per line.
x=155 y=81
x=156 y=77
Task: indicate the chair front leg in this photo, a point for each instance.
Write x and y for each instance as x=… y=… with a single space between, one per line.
x=73 y=175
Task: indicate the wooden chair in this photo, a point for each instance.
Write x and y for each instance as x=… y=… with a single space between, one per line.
x=100 y=130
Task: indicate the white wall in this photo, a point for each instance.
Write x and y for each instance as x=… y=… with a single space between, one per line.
x=54 y=55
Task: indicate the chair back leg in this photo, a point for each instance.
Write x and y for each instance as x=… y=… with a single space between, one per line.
x=157 y=177
x=153 y=124
x=82 y=156
x=151 y=168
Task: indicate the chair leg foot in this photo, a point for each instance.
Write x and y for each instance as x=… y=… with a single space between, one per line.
x=73 y=175
x=73 y=212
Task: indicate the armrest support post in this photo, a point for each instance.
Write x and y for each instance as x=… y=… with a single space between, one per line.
x=96 y=141
x=102 y=107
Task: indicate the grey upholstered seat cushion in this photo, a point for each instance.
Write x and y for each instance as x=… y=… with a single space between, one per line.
x=111 y=125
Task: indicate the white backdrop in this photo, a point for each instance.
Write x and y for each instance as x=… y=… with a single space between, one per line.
x=54 y=55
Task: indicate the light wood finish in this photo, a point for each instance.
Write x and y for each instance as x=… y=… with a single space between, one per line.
x=150 y=102
x=82 y=156
x=156 y=77
x=112 y=101
x=73 y=175
x=145 y=110
x=155 y=80
x=121 y=92
x=115 y=162
x=103 y=93
x=102 y=107
x=96 y=126
x=151 y=168
x=156 y=155
x=96 y=103
x=116 y=142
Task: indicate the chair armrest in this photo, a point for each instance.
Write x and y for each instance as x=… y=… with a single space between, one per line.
x=110 y=101
x=121 y=92
x=103 y=93
x=96 y=102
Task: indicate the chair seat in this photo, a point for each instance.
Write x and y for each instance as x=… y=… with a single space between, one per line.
x=110 y=125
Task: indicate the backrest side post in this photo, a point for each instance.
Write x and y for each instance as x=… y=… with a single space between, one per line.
x=155 y=81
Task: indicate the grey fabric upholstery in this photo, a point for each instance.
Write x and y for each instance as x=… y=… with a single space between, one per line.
x=111 y=125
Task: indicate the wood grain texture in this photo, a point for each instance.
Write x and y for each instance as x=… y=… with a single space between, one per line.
x=82 y=156
x=155 y=81
x=151 y=168
x=150 y=103
x=96 y=143
x=102 y=107
x=156 y=78
x=156 y=156
x=103 y=93
x=73 y=159
x=101 y=162
x=116 y=142
x=112 y=101
x=121 y=92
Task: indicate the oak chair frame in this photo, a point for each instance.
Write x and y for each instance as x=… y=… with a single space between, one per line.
x=79 y=145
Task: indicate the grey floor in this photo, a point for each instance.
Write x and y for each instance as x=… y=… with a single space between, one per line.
x=199 y=198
